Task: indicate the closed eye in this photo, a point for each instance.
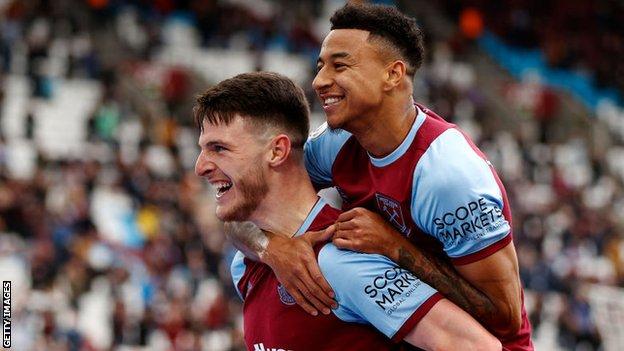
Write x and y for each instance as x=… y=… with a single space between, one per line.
x=215 y=147
x=218 y=148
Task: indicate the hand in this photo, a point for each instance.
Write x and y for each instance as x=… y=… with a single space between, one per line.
x=365 y=231
x=295 y=265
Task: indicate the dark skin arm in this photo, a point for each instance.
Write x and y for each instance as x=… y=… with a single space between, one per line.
x=433 y=270
x=361 y=230
x=488 y=289
x=439 y=273
x=292 y=259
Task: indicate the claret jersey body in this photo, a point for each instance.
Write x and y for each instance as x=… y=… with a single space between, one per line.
x=437 y=189
x=379 y=303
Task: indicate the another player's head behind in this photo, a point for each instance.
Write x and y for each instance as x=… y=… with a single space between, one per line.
x=253 y=127
x=369 y=57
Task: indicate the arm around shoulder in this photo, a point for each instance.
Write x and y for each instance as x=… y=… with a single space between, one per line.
x=247 y=238
x=371 y=289
x=464 y=206
x=497 y=276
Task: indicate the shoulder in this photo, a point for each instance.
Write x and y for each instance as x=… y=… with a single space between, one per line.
x=321 y=150
x=451 y=161
x=458 y=199
x=325 y=139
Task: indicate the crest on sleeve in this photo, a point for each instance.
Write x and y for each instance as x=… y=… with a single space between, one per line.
x=391 y=209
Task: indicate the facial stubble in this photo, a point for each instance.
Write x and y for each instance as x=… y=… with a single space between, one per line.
x=253 y=188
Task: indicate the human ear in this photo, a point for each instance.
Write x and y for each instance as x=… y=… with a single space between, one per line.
x=395 y=72
x=280 y=147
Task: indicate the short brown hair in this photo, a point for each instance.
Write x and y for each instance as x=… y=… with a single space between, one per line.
x=265 y=98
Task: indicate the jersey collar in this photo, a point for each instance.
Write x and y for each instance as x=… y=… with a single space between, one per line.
x=318 y=206
x=399 y=151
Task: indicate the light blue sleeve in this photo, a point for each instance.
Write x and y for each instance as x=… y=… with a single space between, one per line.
x=456 y=198
x=371 y=289
x=237 y=270
x=320 y=152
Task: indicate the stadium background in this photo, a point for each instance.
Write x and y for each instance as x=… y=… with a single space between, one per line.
x=110 y=239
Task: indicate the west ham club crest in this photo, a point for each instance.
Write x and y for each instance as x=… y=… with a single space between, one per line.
x=284 y=296
x=391 y=209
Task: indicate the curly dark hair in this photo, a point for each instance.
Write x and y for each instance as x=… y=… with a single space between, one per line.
x=388 y=23
x=264 y=98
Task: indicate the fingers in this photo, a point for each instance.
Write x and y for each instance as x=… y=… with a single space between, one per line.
x=315 y=288
x=344 y=244
x=353 y=213
x=347 y=230
x=322 y=289
x=320 y=236
x=305 y=293
x=348 y=215
x=301 y=300
x=313 y=292
x=342 y=226
x=315 y=295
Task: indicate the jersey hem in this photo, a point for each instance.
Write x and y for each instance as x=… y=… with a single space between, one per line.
x=483 y=253
x=413 y=320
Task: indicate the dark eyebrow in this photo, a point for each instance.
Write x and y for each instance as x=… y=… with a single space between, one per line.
x=341 y=54
x=213 y=143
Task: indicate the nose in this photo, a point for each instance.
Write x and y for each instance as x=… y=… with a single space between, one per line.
x=203 y=165
x=321 y=80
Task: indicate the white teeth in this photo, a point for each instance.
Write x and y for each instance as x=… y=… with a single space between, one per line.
x=332 y=100
x=222 y=187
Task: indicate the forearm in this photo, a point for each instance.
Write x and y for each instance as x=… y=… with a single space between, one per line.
x=447 y=327
x=443 y=277
x=248 y=238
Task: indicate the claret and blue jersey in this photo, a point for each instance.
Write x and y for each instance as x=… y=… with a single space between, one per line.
x=379 y=303
x=437 y=188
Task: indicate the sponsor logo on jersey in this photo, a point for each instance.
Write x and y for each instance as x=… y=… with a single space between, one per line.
x=470 y=221
x=284 y=296
x=391 y=209
x=390 y=289
x=261 y=347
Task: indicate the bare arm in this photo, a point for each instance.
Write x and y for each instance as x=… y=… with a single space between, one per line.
x=497 y=276
x=365 y=231
x=439 y=273
x=448 y=327
x=247 y=237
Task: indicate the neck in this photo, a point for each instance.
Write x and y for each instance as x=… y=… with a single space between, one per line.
x=382 y=132
x=285 y=207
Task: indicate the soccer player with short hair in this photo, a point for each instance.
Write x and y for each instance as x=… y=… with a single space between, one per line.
x=253 y=128
x=414 y=187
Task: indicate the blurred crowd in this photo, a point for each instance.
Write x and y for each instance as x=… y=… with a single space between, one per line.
x=584 y=36
x=117 y=249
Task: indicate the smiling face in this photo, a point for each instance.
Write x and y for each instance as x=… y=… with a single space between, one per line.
x=350 y=77
x=231 y=160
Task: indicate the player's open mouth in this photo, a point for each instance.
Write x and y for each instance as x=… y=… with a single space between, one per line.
x=222 y=187
x=333 y=100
